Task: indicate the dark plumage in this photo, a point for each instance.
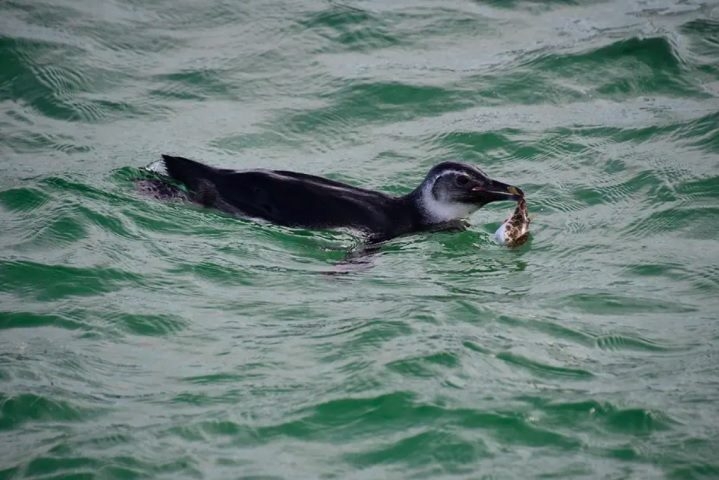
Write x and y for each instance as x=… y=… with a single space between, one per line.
x=450 y=192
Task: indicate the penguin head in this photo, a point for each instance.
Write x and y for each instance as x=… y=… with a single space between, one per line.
x=453 y=190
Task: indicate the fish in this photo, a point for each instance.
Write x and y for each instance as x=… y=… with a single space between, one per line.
x=515 y=230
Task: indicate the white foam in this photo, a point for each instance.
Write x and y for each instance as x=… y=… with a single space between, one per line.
x=158 y=167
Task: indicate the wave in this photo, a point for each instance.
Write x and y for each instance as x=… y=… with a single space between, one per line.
x=349 y=28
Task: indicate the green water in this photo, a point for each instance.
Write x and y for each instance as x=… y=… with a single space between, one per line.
x=141 y=339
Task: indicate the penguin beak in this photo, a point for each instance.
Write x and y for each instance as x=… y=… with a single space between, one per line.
x=494 y=191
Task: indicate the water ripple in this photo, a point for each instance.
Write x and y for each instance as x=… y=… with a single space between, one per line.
x=152 y=339
x=57 y=281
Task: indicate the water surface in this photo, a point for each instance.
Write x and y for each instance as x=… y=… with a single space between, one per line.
x=160 y=340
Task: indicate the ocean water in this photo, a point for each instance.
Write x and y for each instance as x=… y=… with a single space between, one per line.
x=141 y=339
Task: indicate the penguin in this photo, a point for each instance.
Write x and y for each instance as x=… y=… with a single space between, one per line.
x=449 y=193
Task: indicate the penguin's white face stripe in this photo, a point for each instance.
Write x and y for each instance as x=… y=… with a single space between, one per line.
x=440 y=211
x=444 y=173
x=437 y=210
x=464 y=173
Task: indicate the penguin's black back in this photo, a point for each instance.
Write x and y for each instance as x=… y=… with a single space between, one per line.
x=292 y=199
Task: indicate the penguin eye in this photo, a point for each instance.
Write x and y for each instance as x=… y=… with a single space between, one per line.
x=462 y=180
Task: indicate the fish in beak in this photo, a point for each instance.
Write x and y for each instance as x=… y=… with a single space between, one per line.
x=515 y=230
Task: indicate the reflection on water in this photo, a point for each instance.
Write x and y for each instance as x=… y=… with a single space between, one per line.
x=144 y=338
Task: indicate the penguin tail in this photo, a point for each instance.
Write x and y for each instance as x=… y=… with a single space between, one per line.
x=183 y=170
